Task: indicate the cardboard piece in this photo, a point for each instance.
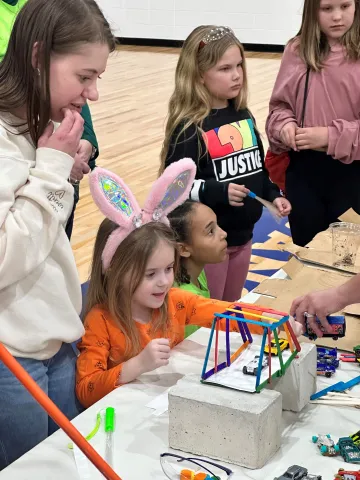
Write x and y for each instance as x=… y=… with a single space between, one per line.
x=322 y=241
x=319 y=252
x=293 y=267
x=272 y=287
x=353 y=309
x=320 y=258
x=305 y=280
x=266 y=302
x=350 y=216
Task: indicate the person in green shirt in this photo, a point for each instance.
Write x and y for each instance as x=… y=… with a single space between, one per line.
x=201 y=241
x=88 y=148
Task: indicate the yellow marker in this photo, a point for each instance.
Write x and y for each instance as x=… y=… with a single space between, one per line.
x=272 y=320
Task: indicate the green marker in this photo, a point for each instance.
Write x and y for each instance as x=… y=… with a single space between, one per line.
x=109 y=430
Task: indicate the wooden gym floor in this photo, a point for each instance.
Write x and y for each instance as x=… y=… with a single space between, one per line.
x=129 y=121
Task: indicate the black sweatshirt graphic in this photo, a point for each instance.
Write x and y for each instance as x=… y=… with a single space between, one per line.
x=230 y=151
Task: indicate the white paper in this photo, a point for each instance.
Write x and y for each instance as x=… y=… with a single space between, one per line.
x=234 y=377
x=86 y=469
x=160 y=404
x=81 y=463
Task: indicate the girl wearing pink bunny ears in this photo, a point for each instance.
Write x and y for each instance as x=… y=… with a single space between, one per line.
x=133 y=315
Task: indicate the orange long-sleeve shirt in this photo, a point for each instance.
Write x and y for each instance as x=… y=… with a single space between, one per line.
x=103 y=340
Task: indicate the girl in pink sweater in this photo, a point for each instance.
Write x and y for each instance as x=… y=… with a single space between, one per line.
x=323 y=178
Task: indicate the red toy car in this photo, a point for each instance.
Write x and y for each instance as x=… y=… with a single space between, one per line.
x=347 y=475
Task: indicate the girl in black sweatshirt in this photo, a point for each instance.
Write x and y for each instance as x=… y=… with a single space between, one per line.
x=209 y=122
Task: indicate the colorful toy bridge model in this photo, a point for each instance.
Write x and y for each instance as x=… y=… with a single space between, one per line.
x=245 y=314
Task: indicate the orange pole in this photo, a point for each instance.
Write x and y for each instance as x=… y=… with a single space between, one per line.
x=56 y=414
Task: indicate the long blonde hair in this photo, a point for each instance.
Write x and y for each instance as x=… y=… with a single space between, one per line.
x=312 y=43
x=190 y=102
x=115 y=288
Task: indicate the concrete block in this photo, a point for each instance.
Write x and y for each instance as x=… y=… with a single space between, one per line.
x=224 y=424
x=299 y=381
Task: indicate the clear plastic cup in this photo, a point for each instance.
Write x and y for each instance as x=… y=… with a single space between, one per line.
x=345 y=243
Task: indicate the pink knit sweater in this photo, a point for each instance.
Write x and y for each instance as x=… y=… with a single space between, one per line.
x=333 y=101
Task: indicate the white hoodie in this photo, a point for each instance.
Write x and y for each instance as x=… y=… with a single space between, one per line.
x=40 y=295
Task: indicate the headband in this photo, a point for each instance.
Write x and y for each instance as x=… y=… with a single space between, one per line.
x=215 y=34
x=116 y=201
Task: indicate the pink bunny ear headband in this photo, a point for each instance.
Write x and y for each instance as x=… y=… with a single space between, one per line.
x=116 y=201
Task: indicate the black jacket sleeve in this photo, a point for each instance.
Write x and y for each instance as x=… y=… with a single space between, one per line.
x=189 y=143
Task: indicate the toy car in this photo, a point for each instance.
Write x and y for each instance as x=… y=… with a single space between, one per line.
x=355 y=437
x=338 y=327
x=356 y=350
x=326 y=445
x=323 y=352
x=334 y=362
x=328 y=356
x=347 y=475
x=325 y=370
x=296 y=473
x=284 y=344
x=348 y=450
x=252 y=367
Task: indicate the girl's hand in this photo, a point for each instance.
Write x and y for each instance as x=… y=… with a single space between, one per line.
x=312 y=138
x=283 y=205
x=156 y=354
x=67 y=137
x=287 y=135
x=237 y=193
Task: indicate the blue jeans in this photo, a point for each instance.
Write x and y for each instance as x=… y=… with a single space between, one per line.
x=23 y=422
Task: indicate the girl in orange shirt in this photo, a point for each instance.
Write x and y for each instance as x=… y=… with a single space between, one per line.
x=134 y=316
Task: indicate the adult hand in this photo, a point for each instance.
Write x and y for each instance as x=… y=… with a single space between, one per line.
x=317 y=304
x=67 y=137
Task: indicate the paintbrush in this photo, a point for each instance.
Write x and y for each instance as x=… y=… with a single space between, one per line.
x=269 y=206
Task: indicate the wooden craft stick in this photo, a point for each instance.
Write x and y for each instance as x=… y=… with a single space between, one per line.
x=235 y=355
x=269 y=356
x=272 y=320
x=228 y=360
x=335 y=402
x=289 y=337
x=216 y=346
